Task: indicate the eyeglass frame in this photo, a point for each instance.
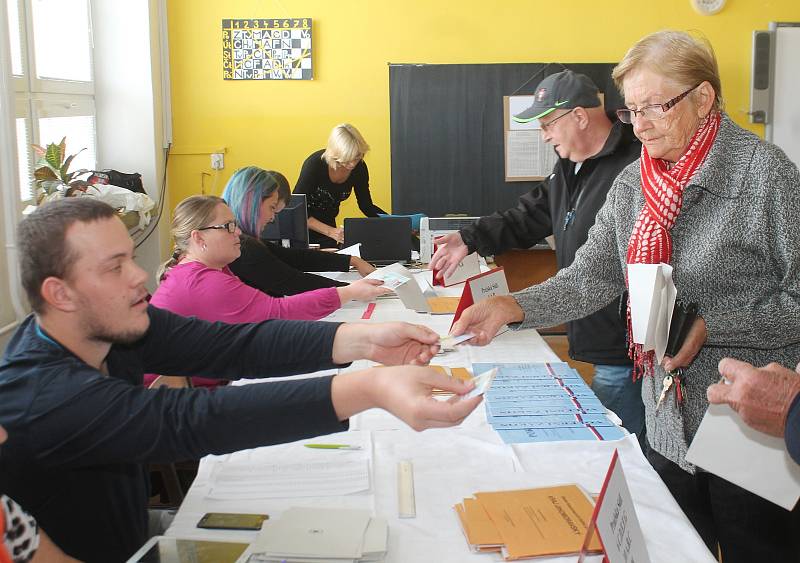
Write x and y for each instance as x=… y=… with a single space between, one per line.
x=666 y=106
x=225 y=226
x=549 y=124
x=358 y=159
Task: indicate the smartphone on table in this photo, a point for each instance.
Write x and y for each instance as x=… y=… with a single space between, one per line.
x=231 y=521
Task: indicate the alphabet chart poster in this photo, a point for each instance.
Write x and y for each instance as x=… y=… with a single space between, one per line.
x=266 y=49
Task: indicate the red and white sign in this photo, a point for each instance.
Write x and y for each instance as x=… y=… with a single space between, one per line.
x=480 y=287
x=615 y=520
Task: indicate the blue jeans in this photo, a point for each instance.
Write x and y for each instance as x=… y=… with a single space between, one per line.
x=615 y=388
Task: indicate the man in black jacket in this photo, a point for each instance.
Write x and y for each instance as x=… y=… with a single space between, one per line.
x=592 y=151
x=81 y=425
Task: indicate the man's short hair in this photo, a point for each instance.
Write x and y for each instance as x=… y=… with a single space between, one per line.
x=42 y=245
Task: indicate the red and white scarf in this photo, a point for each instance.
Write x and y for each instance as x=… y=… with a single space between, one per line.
x=662 y=186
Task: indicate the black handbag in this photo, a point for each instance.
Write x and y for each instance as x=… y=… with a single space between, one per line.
x=132 y=181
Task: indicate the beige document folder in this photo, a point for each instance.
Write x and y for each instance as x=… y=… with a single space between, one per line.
x=540 y=522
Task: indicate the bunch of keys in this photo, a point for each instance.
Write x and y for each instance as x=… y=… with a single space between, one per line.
x=673 y=377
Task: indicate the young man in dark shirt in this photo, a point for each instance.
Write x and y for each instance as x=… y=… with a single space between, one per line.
x=82 y=427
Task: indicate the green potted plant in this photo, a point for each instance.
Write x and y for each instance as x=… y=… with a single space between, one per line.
x=52 y=177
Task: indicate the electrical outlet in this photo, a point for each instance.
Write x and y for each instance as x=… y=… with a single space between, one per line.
x=217 y=161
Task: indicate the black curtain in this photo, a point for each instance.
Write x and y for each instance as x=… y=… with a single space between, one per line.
x=447 y=132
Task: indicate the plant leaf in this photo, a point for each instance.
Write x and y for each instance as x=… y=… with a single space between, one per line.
x=44 y=173
x=39 y=150
x=62 y=148
x=67 y=162
x=53 y=156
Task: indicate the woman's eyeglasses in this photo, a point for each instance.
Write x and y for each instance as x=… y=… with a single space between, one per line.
x=230 y=226
x=655 y=111
x=351 y=162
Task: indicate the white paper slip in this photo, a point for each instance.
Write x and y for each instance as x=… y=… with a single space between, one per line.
x=390 y=279
x=448 y=341
x=482 y=383
x=354 y=250
x=725 y=446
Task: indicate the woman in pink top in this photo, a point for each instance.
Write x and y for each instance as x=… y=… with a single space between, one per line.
x=197 y=282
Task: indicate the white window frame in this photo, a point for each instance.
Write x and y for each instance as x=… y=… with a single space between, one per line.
x=22 y=110
x=47 y=97
x=31 y=98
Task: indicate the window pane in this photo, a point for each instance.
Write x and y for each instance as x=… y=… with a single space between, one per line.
x=14 y=36
x=62 y=39
x=80 y=132
x=23 y=150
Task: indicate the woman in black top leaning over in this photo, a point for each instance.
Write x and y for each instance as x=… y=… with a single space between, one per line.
x=255 y=195
x=327 y=178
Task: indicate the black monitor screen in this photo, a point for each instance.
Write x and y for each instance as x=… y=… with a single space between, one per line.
x=290 y=227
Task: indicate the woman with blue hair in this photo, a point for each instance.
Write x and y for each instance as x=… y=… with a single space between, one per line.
x=255 y=195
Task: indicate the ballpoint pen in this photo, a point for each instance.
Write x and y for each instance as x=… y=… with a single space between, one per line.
x=332 y=446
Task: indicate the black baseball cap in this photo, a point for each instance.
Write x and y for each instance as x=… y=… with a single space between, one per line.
x=562 y=90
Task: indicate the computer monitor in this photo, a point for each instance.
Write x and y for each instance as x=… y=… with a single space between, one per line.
x=290 y=227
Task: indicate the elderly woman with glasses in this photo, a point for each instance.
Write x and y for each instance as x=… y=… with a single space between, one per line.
x=328 y=177
x=196 y=281
x=721 y=206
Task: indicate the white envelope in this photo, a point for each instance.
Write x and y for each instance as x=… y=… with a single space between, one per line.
x=652 y=296
x=409 y=292
x=314 y=532
x=725 y=446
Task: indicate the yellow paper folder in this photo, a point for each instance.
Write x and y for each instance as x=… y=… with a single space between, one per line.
x=443 y=305
x=538 y=522
x=481 y=533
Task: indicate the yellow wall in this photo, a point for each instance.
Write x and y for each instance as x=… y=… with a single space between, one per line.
x=277 y=124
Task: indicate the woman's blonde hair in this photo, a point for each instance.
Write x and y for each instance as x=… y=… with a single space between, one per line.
x=345 y=144
x=192 y=213
x=686 y=60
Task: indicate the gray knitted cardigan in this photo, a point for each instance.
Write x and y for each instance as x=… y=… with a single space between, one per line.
x=736 y=253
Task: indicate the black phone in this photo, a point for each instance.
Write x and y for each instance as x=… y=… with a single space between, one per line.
x=231 y=521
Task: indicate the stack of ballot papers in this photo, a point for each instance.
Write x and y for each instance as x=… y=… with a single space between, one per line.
x=544 y=402
x=528 y=523
x=321 y=535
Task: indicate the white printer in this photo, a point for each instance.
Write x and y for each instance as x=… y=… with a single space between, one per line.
x=432 y=227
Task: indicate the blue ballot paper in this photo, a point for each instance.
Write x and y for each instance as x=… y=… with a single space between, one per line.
x=528 y=370
x=561 y=434
x=558 y=421
x=542 y=391
x=526 y=410
x=541 y=402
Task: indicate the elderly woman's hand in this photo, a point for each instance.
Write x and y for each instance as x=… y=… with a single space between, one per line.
x=761 y=396
x=691 y=347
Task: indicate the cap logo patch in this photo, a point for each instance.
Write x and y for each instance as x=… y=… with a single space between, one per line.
x=540 y=94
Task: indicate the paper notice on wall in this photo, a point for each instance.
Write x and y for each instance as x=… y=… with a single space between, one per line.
x=527 y=155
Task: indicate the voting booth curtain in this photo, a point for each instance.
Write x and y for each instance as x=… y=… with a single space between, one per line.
x=447 y=132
